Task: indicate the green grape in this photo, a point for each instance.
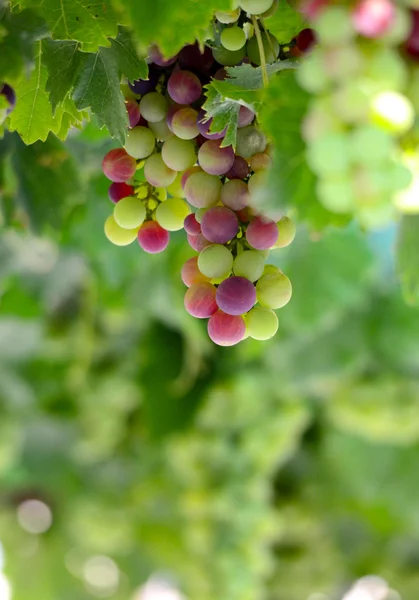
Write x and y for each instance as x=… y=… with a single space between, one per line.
x=117 y=235
x=334 y=26
x=257 y=184
x=250 y=141
x=273 y=290
x=160 y=193
x=386 y=70
x=179 y=154
x=175 y=189
x=200 y=213
x=271 y=11
x=255 y=7
x=286 y=232
x=261 y=323
x=336 y=194
x=227 y=58
x=233 y=38
x=129 y=212
x=157 y=173
x=215 y=261
x=370 y=145
x=140 y=142
x=272 y=270
x=351 y=102
x=249 y=264
x=226 y=17
x=270 y=46
x=312 y=75
x=153 y=107
x=160 y=130
x=342 y=62
x=329 y=154
x=392 y=112
x=172 y=213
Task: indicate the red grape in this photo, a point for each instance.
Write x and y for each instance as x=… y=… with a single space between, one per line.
x=119 y=190
x=200 y=300
x=191 y=225
x=118 y=165
x=306 y=39
x=191 y=274
x=197 y=242
x=239 y=170
x=152 y=237
x=133 y=111
x=262 y=233
x=226 y=330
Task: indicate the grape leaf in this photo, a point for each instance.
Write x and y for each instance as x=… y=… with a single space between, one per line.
x=62 y=59
x=248 y=77
x=408 y=258
x=224 y=114
x=86 y=21
x=126 y=56
x=286 y=23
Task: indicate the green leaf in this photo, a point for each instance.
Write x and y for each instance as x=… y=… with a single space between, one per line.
x=286 y=23
x=408 y=258
x=224 y=114
x=98 y=87
x=86 y=21
x=126 y=56
x=251 y=78
x=62 y=58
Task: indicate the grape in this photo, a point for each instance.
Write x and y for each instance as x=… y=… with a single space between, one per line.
x=262 y=233
x=246 y=116
x=172 y=213
x=273 y=290
x=191 y=57
x=160 y=193
x=270 y=47
x=255 y=7
x=312 y=75
x=219 y=225
x=200 y=213
x=306 y=39
x=133 y=111
x=221 y=74
x=257 y=184
x=259 y=161
x=143 y=86
x=393 y=112
x=236 y=295
x=233 y=38
x=262 y=323
x=329 y=154
x=175 y=189
x=153 y=107
x=286 y=232
x=140 y=142
x=200 y=300
x=228 y=16
x=272 y=270
x=226 y=330
x=178 y=154
x=215 y=261
x=118 y=165
x=239 y=170
x=117 y=235
x=161 y=130
x=8 y=92
x=373 y=18
x=412 y=44
x=227 y=58
x=184 y=123
x=336 y=194
x=191 y=274
x=249 y=264
x=387 y=71
x=235 y=194
x=334 y=26
x=370 y=145
x=119 y=190
x=244 y=215
x=129 y=213
x=204 y=127
x=202 y=190
x=173 y=109
x=215 y=160
x=351 y=103
x=191 y=225
x=185 y=176
x=342 y=62
x=157 y=172
x=250 y=141
x=157 y=57
x=152 y=237
x=184 y=87
x=197 y=242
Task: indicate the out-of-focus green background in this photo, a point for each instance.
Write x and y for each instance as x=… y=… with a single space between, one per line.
x=282 y=470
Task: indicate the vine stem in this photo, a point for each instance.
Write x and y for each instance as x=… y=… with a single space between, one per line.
x=261 y=51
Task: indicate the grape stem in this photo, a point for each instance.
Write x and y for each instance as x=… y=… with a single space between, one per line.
x=261 y=51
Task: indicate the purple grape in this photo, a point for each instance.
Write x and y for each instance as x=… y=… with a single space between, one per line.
x=236 y=295
x=152 y=237
x=118 y=165
x=219 y=225
x=158 y=59
x=239 y=170
x=191 y=58
x=133 y=111
x=9 y=93
x=205 y=127
x=144 y=86
x=119 y=190
x=235 y=194
x=246 y=116
x=226 y=330
x=191 y=225
x=215 y=160
x=197 y=242
x=184 y=87
x=262 y=233
x=200 y=300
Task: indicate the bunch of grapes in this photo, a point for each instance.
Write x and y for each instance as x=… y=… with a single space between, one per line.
x=175 y=173
x=361 y=110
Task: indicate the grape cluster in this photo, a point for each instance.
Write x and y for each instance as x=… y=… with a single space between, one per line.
x=175 y=173
x=360 y=109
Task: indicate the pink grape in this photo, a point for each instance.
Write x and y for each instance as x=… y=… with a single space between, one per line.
x=118 y=165
x=215 y=160
x=197 y=242
x=226 y=330
x=236 y=295
x=262 y=233
x=191 y=225
x=239 y=170
x=219 y=225
x=191 y=274
x=200 y=300
x=372 y=18
x=246 y=116
x=190 y=57
x=119 y=190
x=158 y=59
x=184 y=123
x=235 y=194
x=133 y=111
x=184 y=87
x=188 y=173
x=152 y=237
x=202 y=190
x=204 y=127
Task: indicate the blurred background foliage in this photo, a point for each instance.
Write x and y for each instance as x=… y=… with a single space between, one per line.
x=271 y=471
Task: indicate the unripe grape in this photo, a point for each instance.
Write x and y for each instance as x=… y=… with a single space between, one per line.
x=215 y=261
x=153 y=107
x=178 y=154
x=140 y=142
x=286 y=232
x=270 y=47
x=273 y=290
x=262 y=323
x=228 y=58
x=129 y=213
x=172 y=213
x=157 y=172
x=228 y=16
x=250 y=141
x=161 y=130
x=233 y=38
x=255 y=7
x=117 y=235
x=184 y=123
